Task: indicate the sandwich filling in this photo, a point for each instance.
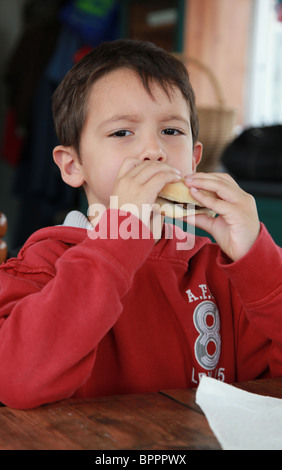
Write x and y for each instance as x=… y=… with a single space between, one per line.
x=176 y=201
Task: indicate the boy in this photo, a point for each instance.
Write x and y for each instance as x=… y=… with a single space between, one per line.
x=85 y=315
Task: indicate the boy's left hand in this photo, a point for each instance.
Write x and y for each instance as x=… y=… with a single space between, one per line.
x=237 y=225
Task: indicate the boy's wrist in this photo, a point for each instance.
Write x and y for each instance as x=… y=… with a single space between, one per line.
x=123 y=238
x=124 y=221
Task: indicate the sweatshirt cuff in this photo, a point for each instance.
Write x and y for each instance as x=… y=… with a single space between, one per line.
x=257 y=274
x=122 y=236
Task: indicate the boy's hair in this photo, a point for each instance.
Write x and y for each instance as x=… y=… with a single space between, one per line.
x=70 y=100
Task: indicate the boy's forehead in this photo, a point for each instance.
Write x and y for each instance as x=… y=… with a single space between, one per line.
x=121 y=77
x=125 y=81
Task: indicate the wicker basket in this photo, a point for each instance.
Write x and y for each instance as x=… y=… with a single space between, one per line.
x=216 y=123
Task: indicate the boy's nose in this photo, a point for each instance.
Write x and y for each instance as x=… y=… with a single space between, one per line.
x=152 y=151
x=156 y=155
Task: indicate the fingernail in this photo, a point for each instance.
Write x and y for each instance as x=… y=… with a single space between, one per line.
x=193 y=189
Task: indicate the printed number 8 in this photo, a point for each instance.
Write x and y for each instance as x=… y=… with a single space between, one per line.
x=208 y=343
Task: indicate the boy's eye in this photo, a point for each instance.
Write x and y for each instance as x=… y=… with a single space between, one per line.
x=121 y=133
x=172 y=131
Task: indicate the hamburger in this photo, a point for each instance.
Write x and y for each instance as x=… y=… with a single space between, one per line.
x=176 y=201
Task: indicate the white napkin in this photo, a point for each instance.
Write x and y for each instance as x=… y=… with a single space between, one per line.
x=240 y=420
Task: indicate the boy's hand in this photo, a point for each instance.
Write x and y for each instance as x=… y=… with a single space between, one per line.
x=139 y=182
x=237 y=226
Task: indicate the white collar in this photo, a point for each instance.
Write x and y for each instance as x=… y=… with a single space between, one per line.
x=77 y=219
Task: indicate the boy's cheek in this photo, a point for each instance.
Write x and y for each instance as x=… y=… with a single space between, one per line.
x=183 y=162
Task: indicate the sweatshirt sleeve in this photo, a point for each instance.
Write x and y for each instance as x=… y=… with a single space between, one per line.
x=49 y=333
x=257 y=283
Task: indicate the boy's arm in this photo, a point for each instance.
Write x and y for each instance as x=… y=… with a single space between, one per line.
x=253 y=263
x=256 y=282
x=50 y=328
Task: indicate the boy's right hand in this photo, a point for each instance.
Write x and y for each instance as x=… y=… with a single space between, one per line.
x=139 y=182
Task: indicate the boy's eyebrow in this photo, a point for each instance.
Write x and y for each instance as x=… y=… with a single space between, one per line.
x=134 y=118
x=176 y=117
x=119 y=117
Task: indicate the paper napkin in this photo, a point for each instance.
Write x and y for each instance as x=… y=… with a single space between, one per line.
x=240 y=420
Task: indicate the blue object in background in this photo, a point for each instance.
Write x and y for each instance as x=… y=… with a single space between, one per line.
x=94 y=20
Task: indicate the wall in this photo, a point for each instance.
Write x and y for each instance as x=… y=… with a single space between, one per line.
x=10 y=29
x=218 y=33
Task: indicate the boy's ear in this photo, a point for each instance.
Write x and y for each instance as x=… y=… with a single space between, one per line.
x=67 y=160
x=197 y=155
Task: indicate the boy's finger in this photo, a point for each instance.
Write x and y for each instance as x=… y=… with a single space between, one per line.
x=143 y=171
x=127 y=165
x=223 y=187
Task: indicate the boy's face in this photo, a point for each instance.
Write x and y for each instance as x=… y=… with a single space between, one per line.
x=124 y=121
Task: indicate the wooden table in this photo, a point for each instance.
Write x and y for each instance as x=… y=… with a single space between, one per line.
x=169 y=420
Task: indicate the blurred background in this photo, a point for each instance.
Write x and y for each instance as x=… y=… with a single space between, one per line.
x=232 y=49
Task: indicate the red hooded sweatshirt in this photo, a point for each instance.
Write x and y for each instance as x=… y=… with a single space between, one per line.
x=82 y=316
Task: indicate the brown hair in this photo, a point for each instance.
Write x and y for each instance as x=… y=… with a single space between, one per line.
x=148 y=60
